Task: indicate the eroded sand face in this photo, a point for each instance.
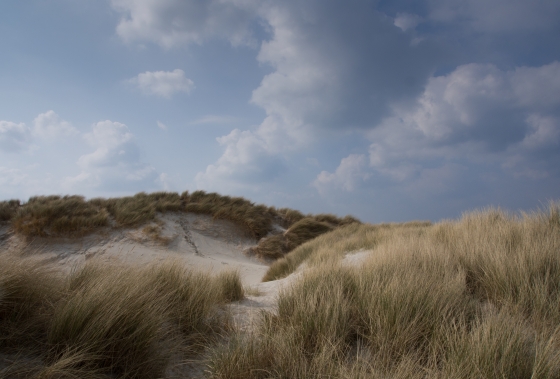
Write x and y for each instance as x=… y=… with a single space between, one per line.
x=199 y=241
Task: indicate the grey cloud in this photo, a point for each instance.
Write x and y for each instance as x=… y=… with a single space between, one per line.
x=499 y=16
x=173 y=23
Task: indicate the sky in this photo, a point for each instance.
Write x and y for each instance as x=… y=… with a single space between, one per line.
x=387 y=110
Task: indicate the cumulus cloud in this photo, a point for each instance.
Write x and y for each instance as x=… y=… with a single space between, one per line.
x=50 y=125
x=115 y=164
x=162 y=83
x=335 y=66
x=14 y=137
x=249 y=158
x=477 y=114
x=350 y=174
x=407 y=21
x=172 y=23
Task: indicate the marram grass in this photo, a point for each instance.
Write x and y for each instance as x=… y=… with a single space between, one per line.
x=108 y=321
x=467 y=299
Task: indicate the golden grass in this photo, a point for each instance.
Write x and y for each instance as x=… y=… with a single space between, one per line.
x=348 y=237
x=108 y=321
x=473 y=298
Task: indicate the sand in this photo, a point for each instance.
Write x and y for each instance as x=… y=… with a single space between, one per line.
x=199 y=241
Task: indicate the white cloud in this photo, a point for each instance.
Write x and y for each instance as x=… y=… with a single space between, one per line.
x=477 y=114
x=172 y=23
x=161 y=125
x=323 y=78
x=162 y=83
x=348 y=176
x=115 y=165
x=13 y=137
x=249 y=158
x=407 y=21
x=50 y=125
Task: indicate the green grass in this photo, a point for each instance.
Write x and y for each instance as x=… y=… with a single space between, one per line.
x=470 y=299
x=106 y=320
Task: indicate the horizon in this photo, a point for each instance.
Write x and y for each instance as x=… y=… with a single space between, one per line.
x=388 y=111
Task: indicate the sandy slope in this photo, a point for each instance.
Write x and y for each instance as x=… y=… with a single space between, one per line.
x=199 y=241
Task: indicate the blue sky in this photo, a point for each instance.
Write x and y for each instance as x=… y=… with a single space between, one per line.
x=387 y=110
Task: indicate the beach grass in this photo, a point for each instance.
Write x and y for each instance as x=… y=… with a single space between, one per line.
x=108 y=320
x=474 y=298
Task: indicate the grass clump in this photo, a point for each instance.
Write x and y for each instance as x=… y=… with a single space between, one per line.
x=8 y=209
x=107 y=321
x=58 y=216
x=350 y=236
x=301 y=231
x=142 y=207
x=469 y=299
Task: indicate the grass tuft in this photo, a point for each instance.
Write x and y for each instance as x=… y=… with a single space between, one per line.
x=108 y=321
x=8 y=209
x=58 y=216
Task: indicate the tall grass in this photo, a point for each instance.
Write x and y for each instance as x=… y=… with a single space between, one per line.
x=351 y=236
x=106 y=320
x=473 y=298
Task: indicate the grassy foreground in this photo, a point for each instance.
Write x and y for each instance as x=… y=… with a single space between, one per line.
x=467 y=299
x=107 y=321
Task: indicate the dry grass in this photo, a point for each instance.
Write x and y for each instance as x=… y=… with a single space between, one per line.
x=8 y=209
x=301 y=231
x=70 y=216
x=55 y=215
x=352 y=236
x=107 y=321
x=474 y=298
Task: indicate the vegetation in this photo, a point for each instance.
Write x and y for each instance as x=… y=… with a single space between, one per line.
x=53 y=216
x=474 y=298
x=107 y=321
x=468 y=299
x=8 y=209
x=301 y=231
